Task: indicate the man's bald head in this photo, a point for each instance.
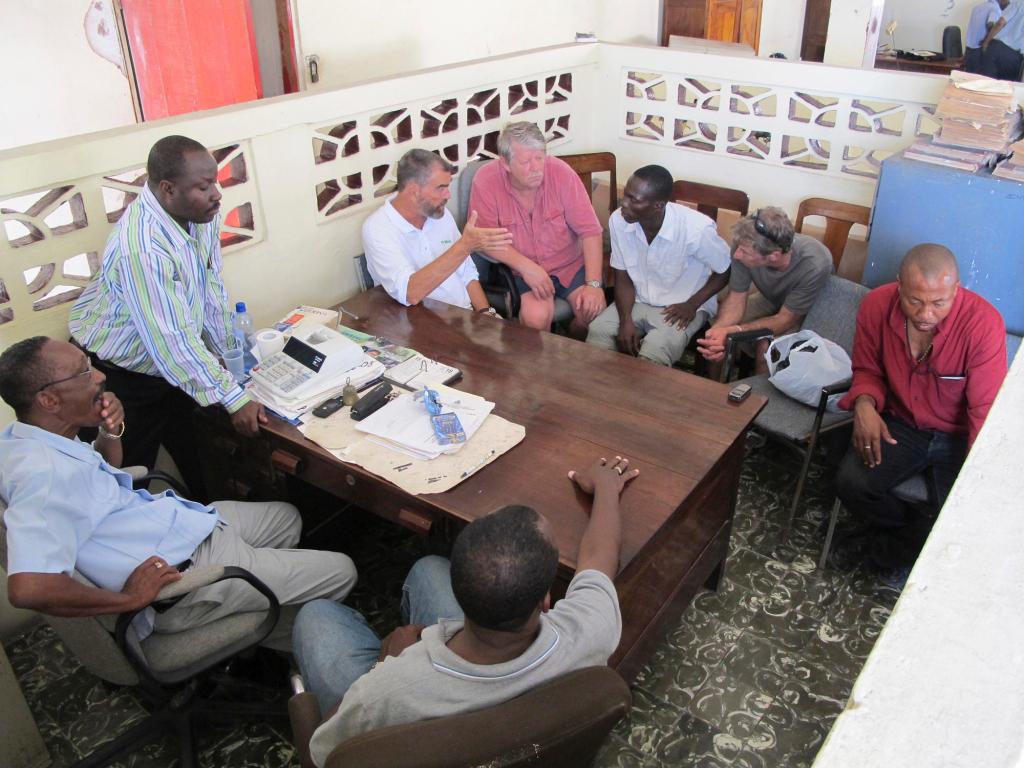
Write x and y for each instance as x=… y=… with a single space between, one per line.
x=935 y=263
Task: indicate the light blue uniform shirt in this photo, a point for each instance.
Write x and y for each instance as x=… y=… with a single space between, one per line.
x=68 y=509
x=982 y=15
x=1013 y=32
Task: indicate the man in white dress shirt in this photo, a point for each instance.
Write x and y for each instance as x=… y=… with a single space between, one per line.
x=670 y=263
x=413 y=247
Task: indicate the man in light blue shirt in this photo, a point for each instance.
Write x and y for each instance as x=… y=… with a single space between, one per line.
x=1002 y=57
x=69 y=508
x=982 y=22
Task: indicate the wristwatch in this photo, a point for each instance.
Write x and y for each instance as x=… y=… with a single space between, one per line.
x=595 y=284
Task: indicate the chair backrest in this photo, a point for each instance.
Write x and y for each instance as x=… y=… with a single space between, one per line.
x=463 y=185
x=363 y=276
x=839 y=218
x=86 y=637
x=561 y=723
x=709 y=199
x=587 y=164
x=834 y=313
x=952 y=43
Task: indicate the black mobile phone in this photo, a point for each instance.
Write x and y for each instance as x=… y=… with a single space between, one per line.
x=739 y=393
x=327 y=407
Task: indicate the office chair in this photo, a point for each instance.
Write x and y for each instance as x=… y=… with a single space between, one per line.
x=169 y=671
x=560 y=724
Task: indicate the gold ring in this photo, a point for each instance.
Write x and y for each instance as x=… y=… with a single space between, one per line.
x=159 y=565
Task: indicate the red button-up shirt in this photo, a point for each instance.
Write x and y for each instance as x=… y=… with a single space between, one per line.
x=550 y=233
x=952 y=389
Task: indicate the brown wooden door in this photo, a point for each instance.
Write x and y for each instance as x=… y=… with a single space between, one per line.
x=750 y=23
x=815 y=30
x=723 y=22
x=683 y=17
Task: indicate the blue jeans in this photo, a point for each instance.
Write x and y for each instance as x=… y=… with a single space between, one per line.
x=334 y=646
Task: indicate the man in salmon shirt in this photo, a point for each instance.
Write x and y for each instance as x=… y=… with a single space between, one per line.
x=928 y=359
x=556 y=237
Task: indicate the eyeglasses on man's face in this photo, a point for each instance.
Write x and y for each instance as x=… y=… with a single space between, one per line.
x=86 y=372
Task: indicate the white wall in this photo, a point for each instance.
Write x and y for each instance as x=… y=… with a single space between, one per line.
x=921 y=21
x=782 y=28
x=54 y=84
x=848 y=31
x=358 y=41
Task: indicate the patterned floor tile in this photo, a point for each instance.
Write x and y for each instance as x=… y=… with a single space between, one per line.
x=751 y=676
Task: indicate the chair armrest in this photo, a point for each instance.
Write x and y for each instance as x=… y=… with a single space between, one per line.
x=190 y=581
x=305 y=716
x=826 y=392
x=835 y=389
x=143 y=479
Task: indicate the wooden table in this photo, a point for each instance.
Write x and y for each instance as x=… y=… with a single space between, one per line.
x=577 y=403
x=928 y=66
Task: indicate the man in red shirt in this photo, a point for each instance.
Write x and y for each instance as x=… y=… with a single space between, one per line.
x=556 y=237
x=928 y=359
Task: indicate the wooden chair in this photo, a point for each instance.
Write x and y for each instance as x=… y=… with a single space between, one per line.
x=560 y=723
x=839 y=217
x=708 y=198
x=586 y=165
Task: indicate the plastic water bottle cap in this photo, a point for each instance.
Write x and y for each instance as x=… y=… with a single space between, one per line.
x=240 y=307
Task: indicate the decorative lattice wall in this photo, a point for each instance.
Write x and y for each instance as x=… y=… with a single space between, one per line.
x=812 y=129
x=53 y=238
x=355 y=157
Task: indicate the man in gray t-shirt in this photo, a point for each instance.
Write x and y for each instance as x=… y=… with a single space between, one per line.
x=788 y=270
x=493 y=633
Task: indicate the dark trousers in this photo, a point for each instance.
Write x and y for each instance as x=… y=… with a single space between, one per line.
x=972 y=60
x=865 y=491
x=155 y=413
x=1001 y=61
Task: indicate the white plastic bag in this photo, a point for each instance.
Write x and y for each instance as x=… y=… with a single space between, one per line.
x=801 y=363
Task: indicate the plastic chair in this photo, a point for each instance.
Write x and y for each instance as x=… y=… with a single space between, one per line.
x=839 y=218
x=560 y=724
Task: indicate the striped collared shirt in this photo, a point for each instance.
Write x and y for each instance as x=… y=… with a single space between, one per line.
x=158 y=304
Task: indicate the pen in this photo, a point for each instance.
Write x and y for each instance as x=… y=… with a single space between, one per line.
x=477 y=466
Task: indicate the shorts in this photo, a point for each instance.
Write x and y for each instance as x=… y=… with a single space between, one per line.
x=561 y=292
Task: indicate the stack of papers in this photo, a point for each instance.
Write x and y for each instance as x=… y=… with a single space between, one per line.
x=419 y=371
x=1013 y=166
x=403 y=425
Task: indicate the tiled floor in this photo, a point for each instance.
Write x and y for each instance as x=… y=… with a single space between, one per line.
x=752 y=675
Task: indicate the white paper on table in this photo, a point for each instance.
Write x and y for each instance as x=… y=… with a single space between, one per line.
x=404 y=423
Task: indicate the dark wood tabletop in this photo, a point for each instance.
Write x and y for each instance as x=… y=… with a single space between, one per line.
x=577 y=403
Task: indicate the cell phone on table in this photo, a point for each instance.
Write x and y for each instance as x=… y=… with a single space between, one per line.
x=739 y=393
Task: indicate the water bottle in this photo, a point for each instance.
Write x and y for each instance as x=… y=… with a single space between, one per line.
x=244 y=334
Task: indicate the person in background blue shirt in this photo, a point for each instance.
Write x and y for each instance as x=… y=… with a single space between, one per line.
x=981 y=28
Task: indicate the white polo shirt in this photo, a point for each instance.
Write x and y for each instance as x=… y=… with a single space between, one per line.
x=395 y=249
x=677 y=263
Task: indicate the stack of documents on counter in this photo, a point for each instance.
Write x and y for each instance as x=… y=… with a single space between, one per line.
x=315 y=365
x=404 y=425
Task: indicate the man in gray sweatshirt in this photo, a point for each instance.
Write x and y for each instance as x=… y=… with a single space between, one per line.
x=493 y=633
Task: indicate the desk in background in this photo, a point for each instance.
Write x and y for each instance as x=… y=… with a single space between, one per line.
x=577 y=403
x=932 y=67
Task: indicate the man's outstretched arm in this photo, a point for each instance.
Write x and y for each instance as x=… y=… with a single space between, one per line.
x=602 y=540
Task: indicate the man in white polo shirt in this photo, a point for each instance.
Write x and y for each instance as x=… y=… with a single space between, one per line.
x=670 y=263
x=413 y=247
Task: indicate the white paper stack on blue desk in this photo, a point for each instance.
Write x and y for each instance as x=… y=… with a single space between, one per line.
x=403 y=425
x=314 y=365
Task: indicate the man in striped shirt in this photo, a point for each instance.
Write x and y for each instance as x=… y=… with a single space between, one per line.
x=155 y=318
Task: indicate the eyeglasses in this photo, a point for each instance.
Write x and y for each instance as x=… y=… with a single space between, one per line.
x=86 y=372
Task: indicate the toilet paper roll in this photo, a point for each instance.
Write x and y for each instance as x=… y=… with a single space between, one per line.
x=269 y=342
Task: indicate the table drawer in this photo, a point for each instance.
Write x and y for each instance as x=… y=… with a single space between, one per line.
x=352 y=484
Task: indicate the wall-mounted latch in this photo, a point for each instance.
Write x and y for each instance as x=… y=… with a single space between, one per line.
x=313 y=63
